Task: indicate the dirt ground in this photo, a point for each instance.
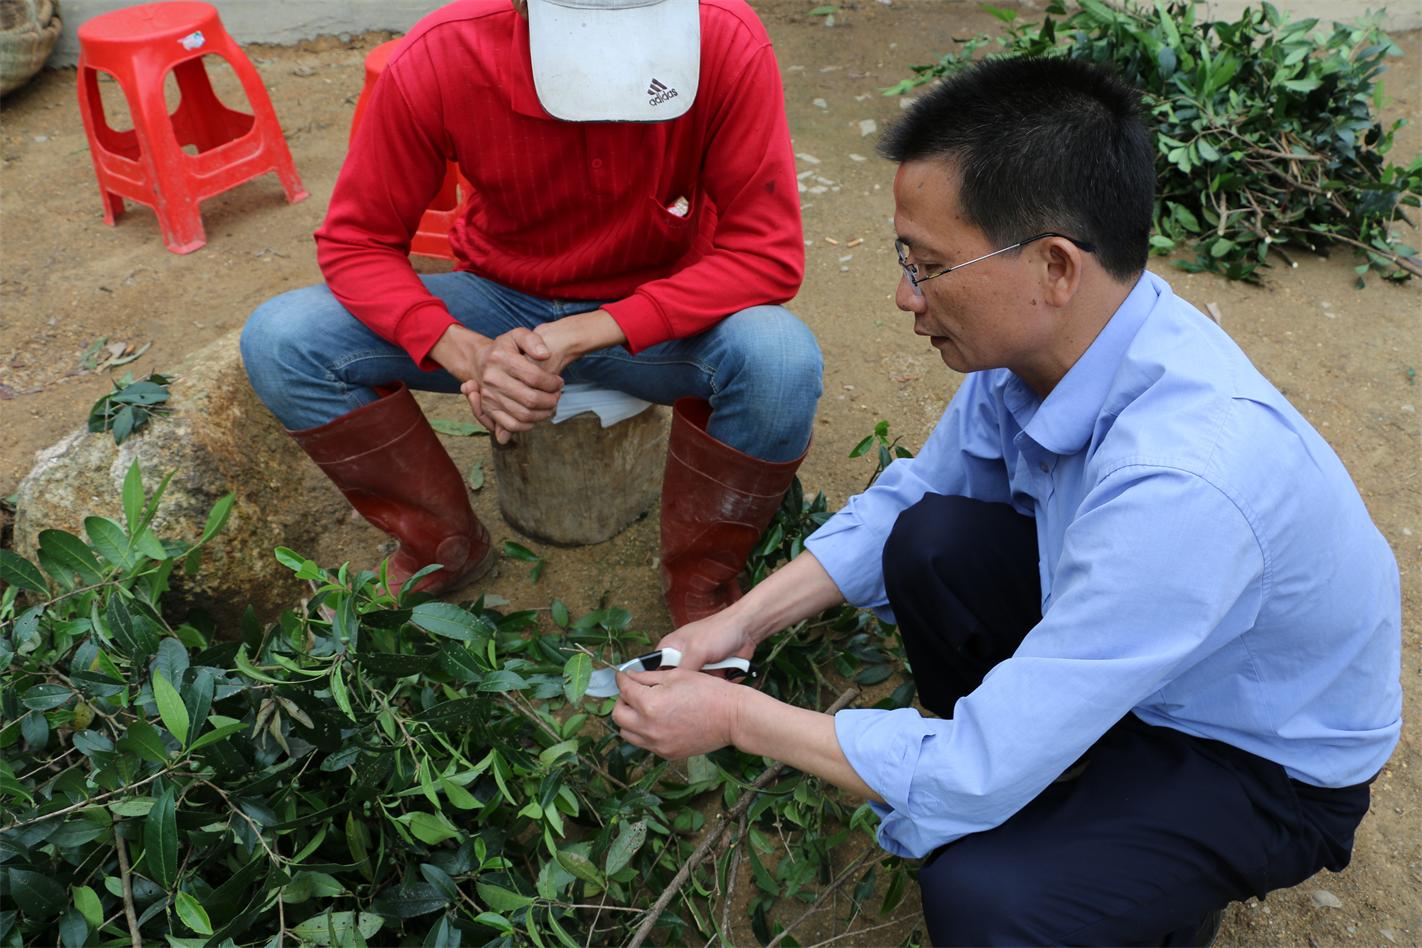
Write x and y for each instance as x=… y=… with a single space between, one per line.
x=1345 y=357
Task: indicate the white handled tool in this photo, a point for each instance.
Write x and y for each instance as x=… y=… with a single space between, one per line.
x=603 y=683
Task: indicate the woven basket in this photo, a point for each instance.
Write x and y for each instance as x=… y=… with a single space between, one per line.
x=28 y=31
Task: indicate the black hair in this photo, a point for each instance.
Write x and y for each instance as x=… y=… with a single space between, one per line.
x=1041 y=144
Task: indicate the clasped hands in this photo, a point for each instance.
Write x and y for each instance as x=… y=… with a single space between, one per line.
x=513 y=382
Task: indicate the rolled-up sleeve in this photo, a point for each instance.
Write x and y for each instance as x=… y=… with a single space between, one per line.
x=1158 y=571
x=963 y=456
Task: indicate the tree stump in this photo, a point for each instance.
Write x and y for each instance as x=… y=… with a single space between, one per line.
x=576 y=482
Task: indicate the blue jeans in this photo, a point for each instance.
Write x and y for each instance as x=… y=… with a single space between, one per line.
x=310 y=361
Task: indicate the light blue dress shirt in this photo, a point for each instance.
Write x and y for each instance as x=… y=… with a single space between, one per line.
x=1206 y=563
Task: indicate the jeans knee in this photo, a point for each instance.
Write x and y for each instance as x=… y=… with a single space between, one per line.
x=774 y=361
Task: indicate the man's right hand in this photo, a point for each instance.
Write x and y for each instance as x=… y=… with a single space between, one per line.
x=710 y=640
x=506 y=387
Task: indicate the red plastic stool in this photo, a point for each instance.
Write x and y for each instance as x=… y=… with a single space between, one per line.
x=431 y=237
x=138 y=46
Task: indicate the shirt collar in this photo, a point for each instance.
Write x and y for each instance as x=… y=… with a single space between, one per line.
x=1063 y=422
x=518 y=75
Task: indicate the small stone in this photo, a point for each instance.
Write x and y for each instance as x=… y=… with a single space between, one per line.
x=818 y=189
x=867 y=127
x=821 y=180
x=862 y=98
x=843 y=269
x=805 y=156
x=805 y=174
x=829 y=20
x=820 y=103
x=41 y=139
x=854 y=157
x=303 y=71
x=1408 y=408
x=906 y=101
x=1325 y=899
x=846 y=258
x=1407 y=531
x=1388 y=933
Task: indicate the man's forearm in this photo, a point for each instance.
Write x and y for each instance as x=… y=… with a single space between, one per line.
x=800 y=589
x=802 y=738
x=576 y=336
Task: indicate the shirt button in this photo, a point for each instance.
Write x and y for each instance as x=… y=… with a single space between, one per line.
x=597 y=163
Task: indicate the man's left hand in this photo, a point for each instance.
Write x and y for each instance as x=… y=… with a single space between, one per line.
x=676 y=713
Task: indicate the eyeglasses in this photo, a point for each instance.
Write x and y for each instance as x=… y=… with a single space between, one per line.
x=911 y=269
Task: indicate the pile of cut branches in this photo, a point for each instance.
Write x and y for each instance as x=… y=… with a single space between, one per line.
x=1266 y=130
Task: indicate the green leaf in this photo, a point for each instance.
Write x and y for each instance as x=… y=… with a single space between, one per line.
x=517 y=551
x=219 y=733
x=69 y=555
x=457 y=429
x=429 y=828
x=496 y=921
x=823 y=11
x=86 y=900
x=132 y=807
x=339 y=694
x=625 y=846
x=862 y=446
x=144 y=739
x=19 y=572
x=319 y=929
x=45 y=697
x=35 y=894
x=459 y=797
x=559 y=613
x=170 y=707
x=245 y=666
x=580 y=866
x=577 y=671
x=160 y=841
x=500 y=899
x=502 y=680
x=446 y=619
x=476 y=476
x=132 y=498
x=110 y=540
x=193 y=914
x=217 y=517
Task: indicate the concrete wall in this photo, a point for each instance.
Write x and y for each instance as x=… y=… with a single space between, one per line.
x=287 y=21
x=265 y=21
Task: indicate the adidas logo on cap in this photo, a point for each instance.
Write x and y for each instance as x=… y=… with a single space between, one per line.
x=659 y=92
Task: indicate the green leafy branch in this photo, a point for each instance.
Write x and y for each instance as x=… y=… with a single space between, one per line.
x=1265 y=127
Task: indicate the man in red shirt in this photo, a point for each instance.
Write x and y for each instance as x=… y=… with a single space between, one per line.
x=634 y=223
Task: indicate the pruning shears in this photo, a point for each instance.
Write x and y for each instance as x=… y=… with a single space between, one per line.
x=603 y=683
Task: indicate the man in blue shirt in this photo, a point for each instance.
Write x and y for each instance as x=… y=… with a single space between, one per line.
x=1157 y=628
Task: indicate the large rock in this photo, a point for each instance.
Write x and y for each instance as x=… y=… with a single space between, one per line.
x=218 y=438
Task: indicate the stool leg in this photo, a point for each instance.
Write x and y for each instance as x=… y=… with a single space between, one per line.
x=91 y=110
x=174 y=202
x=266 y=120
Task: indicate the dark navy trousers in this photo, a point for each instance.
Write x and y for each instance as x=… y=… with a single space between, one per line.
x=1157 y=832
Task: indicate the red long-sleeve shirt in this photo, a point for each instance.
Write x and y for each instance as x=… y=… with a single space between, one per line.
x=568 y=210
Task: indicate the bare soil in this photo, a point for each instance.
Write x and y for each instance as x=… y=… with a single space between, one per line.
x=1345 y=357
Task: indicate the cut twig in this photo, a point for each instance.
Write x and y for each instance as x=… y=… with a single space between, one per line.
x=127 y=877
x=864 y=931
x=714 y=836
x=816 y=905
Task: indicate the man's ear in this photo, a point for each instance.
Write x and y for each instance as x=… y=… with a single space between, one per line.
x=1062 y=271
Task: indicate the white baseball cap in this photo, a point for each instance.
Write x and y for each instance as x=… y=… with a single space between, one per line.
x=615 y=60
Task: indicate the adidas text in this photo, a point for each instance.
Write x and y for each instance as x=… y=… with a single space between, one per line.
x=659 y=99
